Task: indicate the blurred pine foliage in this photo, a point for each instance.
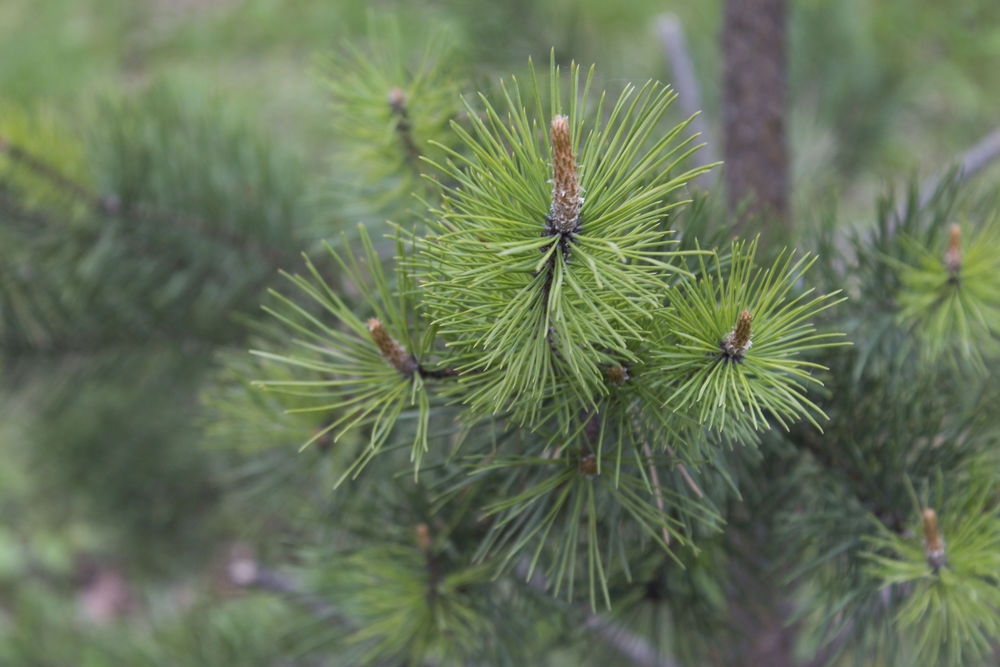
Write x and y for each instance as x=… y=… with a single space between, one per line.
x=640 y=482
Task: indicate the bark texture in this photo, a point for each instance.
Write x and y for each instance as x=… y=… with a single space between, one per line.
x=754 y=95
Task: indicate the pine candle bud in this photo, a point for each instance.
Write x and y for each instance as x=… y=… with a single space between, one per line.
x=397 y=99
x=953 y=256
x=617 y=375
x=565 y=213
x=391 y=351
x=933 y=541
x=423 y=536
x=738 y=341
x=588 y=465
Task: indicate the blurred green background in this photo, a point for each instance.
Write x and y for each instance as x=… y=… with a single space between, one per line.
x=880 y=91
x=879 y=88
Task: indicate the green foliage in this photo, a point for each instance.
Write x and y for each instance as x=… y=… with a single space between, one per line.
x=126 y=249
x=900 y=415
x=146 y=149
x=951 y=615
x=388 y=106
x=565 y=343
x=680 y=610
x=41 y=132
x=564 y=502
x=30 y=307
x=538 y=316
x=351 y=374
x=238 y=631
x=569 y=399
x=407 y=602
x=953 y=311
x=140 y=232
x=147 y=480
x=254 y=434
x=766 y=378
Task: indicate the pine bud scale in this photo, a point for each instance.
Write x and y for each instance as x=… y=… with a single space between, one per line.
x=953 y=256
x=564 y=215
x=391 y=350
x=737 y=341
x=933 y=541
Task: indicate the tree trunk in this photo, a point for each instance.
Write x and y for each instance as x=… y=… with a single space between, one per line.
x=753 y=42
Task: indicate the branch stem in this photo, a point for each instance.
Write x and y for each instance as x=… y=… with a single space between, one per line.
x=982 y=154
x=112 y=206
x=635 y=648
x=654 y=477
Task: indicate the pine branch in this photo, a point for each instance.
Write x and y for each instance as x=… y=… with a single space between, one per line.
x=404 y=127
x=52 y=175
x=11 y=205
x=112 y=206
x=389 y=102
x=564 y=253
x=437 y=373
x=654 y=475
x=706 y=357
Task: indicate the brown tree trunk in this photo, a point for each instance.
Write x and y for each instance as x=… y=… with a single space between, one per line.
x=756 y=173
x=756 y=169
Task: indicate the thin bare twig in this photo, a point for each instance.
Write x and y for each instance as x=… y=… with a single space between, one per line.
x=635 y=648
x=680 y=466
x=685 y=475
x=672 y=41
x=655 y=478
x=247 y=573
x=982 y=154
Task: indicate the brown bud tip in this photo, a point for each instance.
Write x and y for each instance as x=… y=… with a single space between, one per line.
x=397 y=99
x=738 y=341
x=561 y=138
x=423 y=536
x=931 y=533
x=391 y=351
x=617 y=375
x=564 y=215
x=588 y=465
x=933 y=540
x=953 y=256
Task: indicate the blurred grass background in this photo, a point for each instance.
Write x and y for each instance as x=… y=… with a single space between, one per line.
x=880 y=90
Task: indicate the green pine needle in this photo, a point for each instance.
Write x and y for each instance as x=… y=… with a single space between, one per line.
x=388 y=104
x=952 y=616
x=952 y=313
x=353 y=383
x=768 y=379
x=535 y=316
